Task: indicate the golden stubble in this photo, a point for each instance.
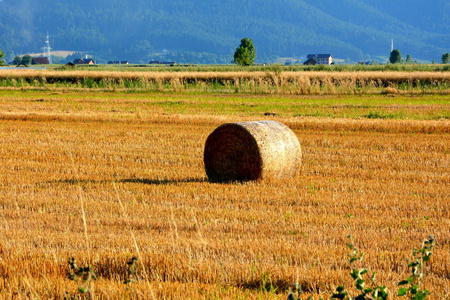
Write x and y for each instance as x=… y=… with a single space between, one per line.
x=353 y=75
x=143 y=191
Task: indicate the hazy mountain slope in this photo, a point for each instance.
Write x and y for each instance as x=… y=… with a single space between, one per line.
x=382 y=20
x=430 y=15
x=113 y=29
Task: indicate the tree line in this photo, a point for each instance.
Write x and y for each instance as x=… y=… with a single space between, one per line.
x=244 y=55
x=396 y=57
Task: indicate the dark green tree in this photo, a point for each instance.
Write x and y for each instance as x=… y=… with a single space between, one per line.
x=446 y=58
x=17 y=60
x=245 y=54
x=408 y=59
x=2 y=62
x=27 y=59
x=396 y=56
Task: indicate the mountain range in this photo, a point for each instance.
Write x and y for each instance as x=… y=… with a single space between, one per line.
x=209 y=31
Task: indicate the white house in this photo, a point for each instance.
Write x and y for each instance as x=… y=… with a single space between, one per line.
x=321 y=59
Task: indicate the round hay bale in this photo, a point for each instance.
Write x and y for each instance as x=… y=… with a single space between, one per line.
x=251 y=151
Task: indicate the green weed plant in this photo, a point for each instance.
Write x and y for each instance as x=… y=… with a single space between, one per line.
x=365 y=281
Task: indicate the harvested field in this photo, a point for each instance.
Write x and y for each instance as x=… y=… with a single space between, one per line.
x=104 y=176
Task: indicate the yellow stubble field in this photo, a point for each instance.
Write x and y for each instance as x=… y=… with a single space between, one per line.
x=104 y=180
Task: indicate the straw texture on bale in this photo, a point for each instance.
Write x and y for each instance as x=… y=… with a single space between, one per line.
x=251 y=151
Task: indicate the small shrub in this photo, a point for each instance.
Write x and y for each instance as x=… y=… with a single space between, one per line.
x=88 y=82
x=367 y=286
x=84 y=276
x=368 y=290
x=131 y=270
x=413 y=282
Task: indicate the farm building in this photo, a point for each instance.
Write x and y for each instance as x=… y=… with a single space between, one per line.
x=40 y=61
x=310 y=62
x=321 y=59
x=84 y=61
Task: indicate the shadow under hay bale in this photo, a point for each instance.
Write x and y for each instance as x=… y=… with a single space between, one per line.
x=251 y=151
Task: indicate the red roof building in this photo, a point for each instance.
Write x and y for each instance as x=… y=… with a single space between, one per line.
x=40 y=61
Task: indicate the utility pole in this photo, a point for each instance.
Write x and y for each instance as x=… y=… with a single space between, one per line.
x=48 y=49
